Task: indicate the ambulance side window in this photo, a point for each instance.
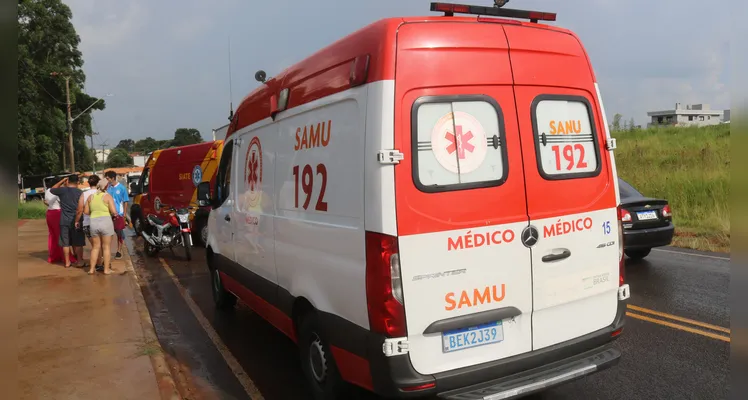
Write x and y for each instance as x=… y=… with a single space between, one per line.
x=223 y=176
x=457 y=143
x=566 y=143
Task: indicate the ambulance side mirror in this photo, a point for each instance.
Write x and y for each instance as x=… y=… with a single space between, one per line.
x=203 y=194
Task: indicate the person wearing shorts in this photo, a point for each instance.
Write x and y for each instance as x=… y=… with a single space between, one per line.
x=121 y=197
x=72 y=238
x=101 y=210
x=93 y=181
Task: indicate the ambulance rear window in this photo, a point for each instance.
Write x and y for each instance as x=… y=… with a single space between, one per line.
x=566 y=144
x=458 y=143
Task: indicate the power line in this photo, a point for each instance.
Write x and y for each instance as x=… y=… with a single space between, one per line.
x=40 y=85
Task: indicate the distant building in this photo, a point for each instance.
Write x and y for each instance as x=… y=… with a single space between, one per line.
x=687 y=115
x=102 y=155
x=138 y=159
x=220 y=133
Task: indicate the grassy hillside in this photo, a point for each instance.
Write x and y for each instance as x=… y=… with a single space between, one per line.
x=690 y=168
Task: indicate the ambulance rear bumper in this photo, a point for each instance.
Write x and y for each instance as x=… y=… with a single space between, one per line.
x=502 y=379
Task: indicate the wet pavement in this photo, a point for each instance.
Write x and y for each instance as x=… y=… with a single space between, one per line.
x=79 y=336
x=675 y=343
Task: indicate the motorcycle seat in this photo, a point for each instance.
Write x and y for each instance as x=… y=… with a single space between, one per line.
x=156 y=220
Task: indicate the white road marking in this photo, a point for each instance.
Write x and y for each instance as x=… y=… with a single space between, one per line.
x=692 y=254
x=236 y=368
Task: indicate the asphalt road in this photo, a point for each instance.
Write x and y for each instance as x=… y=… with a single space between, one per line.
x=675 y=344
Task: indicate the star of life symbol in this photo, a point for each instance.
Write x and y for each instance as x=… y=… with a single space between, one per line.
x=459 y=142
x=253 y=180
x=253 y=172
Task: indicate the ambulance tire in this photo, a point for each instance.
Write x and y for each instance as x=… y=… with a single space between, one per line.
x=317 y=362
x=222 y=299
x=200 y=231
x=637 y=254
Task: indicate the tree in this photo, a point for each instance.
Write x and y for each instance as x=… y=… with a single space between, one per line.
x=617 y=122
x=118 y=158
x=631 y=124
x=47 y=43
x=185 y=136
x=126 y=144
x=146 y=145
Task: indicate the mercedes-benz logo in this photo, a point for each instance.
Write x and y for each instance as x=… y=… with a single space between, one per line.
x=530 y=236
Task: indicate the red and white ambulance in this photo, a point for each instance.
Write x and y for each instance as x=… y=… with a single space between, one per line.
x=428 y=206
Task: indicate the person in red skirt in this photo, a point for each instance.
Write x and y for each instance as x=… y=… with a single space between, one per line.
x=53 y=225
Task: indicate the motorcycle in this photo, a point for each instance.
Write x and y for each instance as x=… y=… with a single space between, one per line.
x=173 y=232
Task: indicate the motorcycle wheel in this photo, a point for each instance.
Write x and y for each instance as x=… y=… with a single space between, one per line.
x=186 y=244
x=150 y=250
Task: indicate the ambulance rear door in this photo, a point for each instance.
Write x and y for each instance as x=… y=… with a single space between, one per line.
x=460 y=197
x=570 y=186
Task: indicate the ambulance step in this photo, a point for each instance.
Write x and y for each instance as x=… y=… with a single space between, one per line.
x=538 y=379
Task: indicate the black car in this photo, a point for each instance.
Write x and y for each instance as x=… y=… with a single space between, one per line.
x=647 y=222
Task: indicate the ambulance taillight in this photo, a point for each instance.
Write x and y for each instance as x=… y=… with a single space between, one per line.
x=384 y=292
x=621 y=265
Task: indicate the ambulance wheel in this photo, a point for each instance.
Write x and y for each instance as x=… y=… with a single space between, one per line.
x=317 y=362
x=222 y=299
x=201 y=232
x=637 y=254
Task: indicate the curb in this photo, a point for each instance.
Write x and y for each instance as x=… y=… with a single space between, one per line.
x=164 y=380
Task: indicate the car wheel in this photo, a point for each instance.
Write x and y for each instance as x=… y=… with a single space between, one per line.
x=637 y=254
x=317 y=362
x=222 y=299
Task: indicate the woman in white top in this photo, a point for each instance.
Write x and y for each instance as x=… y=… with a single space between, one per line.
x=53 y=225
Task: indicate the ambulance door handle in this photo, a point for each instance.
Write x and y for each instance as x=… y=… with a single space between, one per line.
x=557 y=256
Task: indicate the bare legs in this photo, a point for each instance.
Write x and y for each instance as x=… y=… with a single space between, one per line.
x=95 y=248
x=66 y=253
x=106 y=245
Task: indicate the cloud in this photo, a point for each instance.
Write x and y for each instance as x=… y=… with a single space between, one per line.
x=167 y=62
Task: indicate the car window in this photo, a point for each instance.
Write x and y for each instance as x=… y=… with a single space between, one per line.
x=627 y=190
x=565 y=137
x=457 y=143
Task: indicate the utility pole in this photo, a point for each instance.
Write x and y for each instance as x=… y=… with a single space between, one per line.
x=93 y=149
x=70 y=125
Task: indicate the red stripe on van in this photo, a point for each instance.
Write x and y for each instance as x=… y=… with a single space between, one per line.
x=353 y=368
x=267 y=311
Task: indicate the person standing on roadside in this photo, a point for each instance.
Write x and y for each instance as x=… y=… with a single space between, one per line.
x=121 y=201
x=72 y=238
x=100 y=208
x=53 y=224
x=93 y=181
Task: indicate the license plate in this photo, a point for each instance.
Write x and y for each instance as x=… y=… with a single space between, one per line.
x=472 y=337
x=646 y=215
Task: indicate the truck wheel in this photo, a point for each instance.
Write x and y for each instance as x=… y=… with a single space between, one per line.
x=637 y=254
x=222 y=299
x=317 y=362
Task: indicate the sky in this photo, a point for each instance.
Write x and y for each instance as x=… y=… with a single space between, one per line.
x=166 y=62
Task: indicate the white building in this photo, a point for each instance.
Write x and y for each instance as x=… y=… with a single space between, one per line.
x=220 y=133
x=139 y=161
x=102 y=155
x=688 y=115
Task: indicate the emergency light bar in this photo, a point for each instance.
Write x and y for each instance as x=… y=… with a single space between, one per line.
x=450 y=9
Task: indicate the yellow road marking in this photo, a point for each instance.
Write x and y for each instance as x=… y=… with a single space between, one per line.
x=679 y=327
x=681 y=319
x=236 y=368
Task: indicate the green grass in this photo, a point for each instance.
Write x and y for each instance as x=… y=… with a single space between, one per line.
x=33 y=209
x=690 y=167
